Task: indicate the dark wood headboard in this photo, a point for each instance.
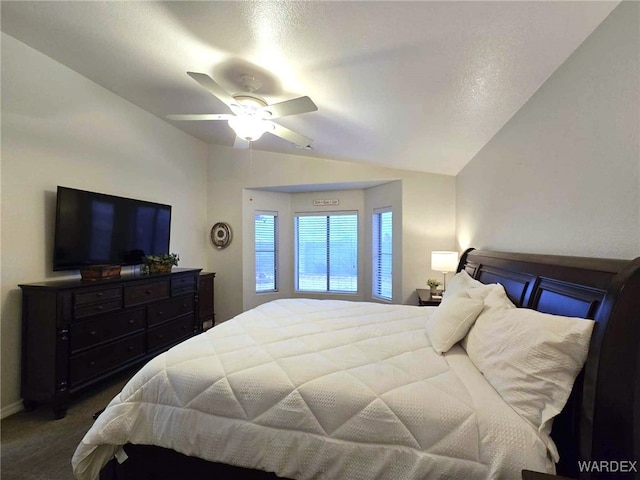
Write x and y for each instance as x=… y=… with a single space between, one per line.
x=601 y=421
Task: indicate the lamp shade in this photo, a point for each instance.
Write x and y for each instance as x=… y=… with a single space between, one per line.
x=444 y=261
x=248 y=127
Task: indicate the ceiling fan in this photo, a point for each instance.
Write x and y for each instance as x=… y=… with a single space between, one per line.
x=251 y=115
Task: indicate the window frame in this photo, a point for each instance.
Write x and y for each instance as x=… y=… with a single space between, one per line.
x=276 y=279
x=376 y=254
x=356 y=244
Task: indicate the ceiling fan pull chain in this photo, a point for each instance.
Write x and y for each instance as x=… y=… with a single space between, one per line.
x=250 y=160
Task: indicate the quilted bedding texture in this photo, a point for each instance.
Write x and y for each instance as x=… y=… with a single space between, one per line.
x=320 y=389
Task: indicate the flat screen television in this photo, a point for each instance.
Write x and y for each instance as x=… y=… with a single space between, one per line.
x=98 y=229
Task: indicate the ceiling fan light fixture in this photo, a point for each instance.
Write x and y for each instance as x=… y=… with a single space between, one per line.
x=248 y=127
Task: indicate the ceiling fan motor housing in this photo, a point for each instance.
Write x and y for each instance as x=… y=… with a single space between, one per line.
x=250 y=104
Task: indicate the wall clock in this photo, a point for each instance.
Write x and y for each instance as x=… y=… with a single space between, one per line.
x=221 y=235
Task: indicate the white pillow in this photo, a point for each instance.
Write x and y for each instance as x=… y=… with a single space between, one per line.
x=493 y=295
x=530 y=358
x=451 y=321
x=463 y=284
x=460 y=283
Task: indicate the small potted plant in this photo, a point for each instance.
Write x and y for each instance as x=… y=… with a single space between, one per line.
x=159 y=263
x=433 y=285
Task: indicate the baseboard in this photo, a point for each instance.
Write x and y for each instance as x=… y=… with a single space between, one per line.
x=11 y=409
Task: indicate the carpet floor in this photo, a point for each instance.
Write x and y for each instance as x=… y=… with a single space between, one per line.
x=34 y=446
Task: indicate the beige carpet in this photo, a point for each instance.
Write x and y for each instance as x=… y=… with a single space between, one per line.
x=34 y=446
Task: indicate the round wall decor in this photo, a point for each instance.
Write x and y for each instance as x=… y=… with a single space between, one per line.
x=221 y=235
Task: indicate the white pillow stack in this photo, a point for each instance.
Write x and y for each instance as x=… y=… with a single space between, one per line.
x=531 y=358
x=462 y=302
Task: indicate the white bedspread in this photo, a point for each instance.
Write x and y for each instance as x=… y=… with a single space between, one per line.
x=320 y=389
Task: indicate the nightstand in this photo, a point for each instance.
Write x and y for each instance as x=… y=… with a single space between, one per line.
x=425 y=298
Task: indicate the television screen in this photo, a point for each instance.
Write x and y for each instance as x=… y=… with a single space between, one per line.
x=98 y=229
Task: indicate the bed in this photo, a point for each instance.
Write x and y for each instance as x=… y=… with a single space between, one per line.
x=363 y=393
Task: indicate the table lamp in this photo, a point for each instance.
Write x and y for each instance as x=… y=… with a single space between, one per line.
x=444 y=262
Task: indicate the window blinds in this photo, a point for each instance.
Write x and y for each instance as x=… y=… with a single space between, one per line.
x=327 y=252
x=266 y=234
x=382 y=254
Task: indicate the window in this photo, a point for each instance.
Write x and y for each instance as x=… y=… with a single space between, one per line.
x=266 y=245
x=327 y=252
x=382 y=253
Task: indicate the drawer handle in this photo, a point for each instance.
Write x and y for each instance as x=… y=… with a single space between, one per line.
x=130 y=348
x=160 y=313
x=132 y=321
x=92 y=364
x=99 y=294
x=148 y=292
x=184 y=305
x=100 y=307
x=93 y=333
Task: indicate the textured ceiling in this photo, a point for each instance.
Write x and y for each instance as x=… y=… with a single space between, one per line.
x=412 y=85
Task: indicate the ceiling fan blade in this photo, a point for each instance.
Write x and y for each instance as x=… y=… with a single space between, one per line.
x=240 y=143
x=291 y=107
x=290 y=135
x=201 y=116
x=216 y=90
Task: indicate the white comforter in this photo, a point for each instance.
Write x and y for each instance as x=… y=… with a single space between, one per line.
x=320 y=389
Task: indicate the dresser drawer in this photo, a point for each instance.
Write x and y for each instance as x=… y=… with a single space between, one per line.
x=170 y=333
x=104 y=307
x=95 y=331
x=184 y=284
x=164 y=311
x=97 y=296
x=103 y=359
x=145 y=292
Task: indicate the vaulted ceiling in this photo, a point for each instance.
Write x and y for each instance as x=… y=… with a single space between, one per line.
x=412 y=85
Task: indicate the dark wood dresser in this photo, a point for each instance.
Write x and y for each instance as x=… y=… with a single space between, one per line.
x=206 y=313
x=76 y=333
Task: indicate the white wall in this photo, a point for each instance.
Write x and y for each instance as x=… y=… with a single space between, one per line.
x=428 y=216
x=563 y=175
x=59 y=128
